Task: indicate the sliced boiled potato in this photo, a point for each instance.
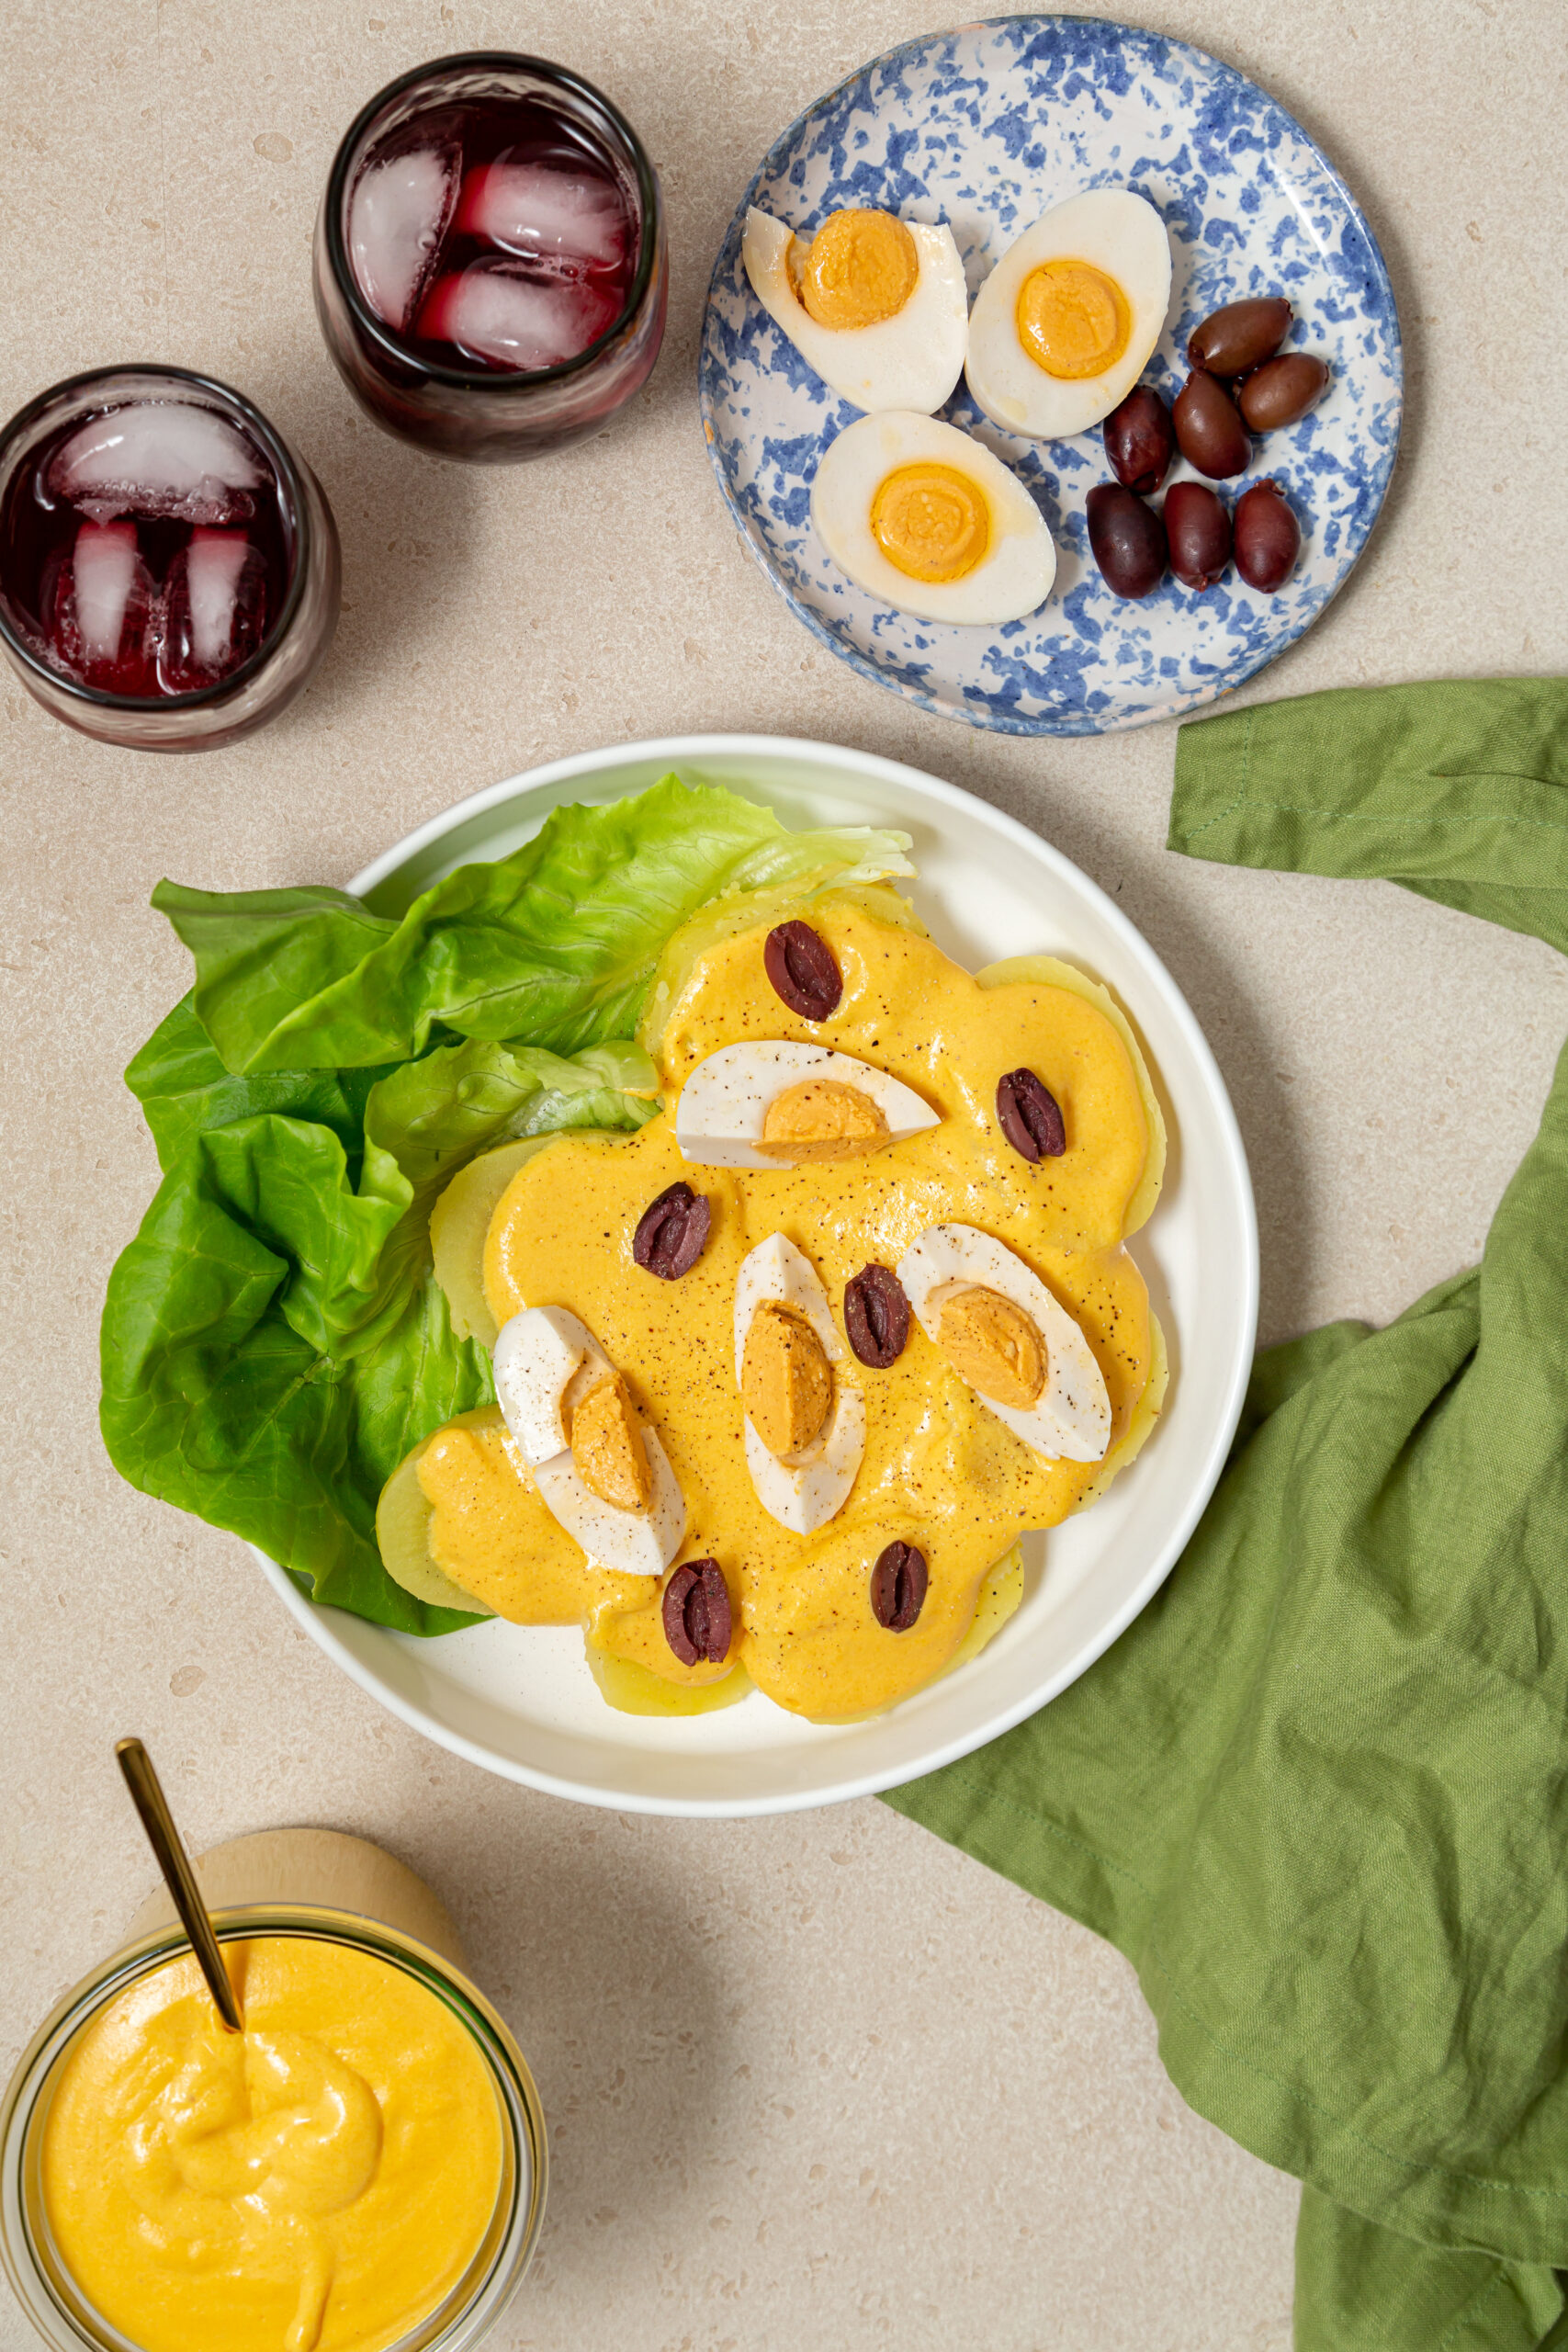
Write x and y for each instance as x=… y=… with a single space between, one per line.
x=1001 y=1589
x=458 y=1224
x=402 y=1534
x=1145 y=1413
x=635 y=1690
x=460 y=1220
x=1049 y=971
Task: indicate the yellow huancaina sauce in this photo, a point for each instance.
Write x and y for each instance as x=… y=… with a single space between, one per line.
x=318 y=2184
x=939 y=1471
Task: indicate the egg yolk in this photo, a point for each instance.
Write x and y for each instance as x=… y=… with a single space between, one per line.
x=930 y=522
x=1073 y=321
x=860 y=269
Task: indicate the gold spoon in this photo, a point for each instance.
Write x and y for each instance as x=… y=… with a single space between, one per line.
x=152 y=1805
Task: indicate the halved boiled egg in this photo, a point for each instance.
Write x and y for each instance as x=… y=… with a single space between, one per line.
x=777 y=1102
x=928 y=520
x=1063 y=327
x=599 y=1469
x=804 y=1429
x=1009 y=1339
x=876 y=305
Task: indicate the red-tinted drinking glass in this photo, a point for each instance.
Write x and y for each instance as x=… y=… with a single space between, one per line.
x=169 y=569
x=490 y=269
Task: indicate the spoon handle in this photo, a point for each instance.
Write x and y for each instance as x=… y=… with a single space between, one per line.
x=147 y=1796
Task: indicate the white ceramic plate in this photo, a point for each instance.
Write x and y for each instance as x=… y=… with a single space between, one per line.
x=520 y=1701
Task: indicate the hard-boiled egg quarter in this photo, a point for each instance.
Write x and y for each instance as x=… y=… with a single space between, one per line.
x=1063 y=326
x=876 y=305
x=779 y=1102
x=805 y=1426
x=599 y=1469
x=924 y=518
x=1009 y=1339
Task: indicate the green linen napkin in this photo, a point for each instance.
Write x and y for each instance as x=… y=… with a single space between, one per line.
x=1318 y=1791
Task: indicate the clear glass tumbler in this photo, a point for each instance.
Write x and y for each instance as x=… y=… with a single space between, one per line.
x=60 y=2312
x=495 y=413
x=267 y=556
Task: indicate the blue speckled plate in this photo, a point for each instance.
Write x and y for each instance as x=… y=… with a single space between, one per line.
x=985 y=128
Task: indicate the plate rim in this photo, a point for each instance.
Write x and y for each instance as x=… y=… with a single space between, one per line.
x=318 y=1621
x=996 y=721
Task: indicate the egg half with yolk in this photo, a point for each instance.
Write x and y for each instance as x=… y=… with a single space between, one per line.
x=805 y=1428
x=925 y=519
x=1063 y=326
x=599 y=1470
x=768 y=1102
x=876 y=305
x=1010 y=1338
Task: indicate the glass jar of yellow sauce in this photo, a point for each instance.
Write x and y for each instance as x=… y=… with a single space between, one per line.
x=163 y=2183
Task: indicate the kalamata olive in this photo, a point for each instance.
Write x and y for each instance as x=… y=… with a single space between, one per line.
x=1140 y=440
x=1208 y=427
x=1127 y=537
x=1238 y=337
x=1030 y=1116
x=799 y=964
x=877 y=1316
x=898 y=1583
x=1198 y=531
x=1267 y=537
x=672 y=1231
x=698 y=1620
x=1283 y=389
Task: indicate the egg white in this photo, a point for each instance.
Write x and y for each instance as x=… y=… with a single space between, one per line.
x=538 y=1354
x=724 y=1102
x=1115 y=232
x=633 y=1542
x=546 y=1361
x=912 y=360
x=1014 y=575
x=1071 y=1419
x=805 y=1491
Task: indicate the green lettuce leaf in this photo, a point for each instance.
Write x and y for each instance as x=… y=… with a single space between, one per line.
x=554 y=945
x=426 y=1120
x=183 y=1089
x=274 y=1341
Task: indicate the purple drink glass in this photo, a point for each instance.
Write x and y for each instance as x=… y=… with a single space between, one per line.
x=288 y=572
x=493 y=413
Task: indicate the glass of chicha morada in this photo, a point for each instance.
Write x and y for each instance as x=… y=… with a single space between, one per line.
x=364 y=2167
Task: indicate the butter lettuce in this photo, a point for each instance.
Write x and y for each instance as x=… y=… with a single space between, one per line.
x=273 y=1342
x=554 y=945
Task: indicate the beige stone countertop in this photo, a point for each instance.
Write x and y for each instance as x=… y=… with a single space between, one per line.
x=815 y=2083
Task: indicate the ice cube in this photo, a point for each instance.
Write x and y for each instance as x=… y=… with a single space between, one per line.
x=97 y=608
x=396 y=218
x=547 y=209
x=213 y=610
x=499 y=311
x=159 y=458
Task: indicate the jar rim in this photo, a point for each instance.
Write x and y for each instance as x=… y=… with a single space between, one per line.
x=511 y=381
x=469 y=2309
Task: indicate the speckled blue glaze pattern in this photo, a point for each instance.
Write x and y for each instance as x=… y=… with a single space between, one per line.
x=985 y=128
